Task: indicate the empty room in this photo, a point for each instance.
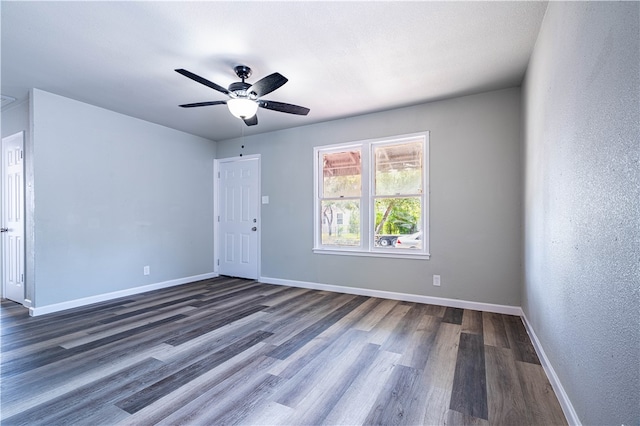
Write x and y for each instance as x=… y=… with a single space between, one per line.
x=320 y=213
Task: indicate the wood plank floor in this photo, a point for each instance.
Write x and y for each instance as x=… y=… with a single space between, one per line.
x=233 y=351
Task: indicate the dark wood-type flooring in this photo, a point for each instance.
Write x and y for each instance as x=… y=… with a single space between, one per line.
x=233 y=351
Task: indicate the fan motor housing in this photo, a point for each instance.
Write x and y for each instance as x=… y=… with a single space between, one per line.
x=242 y=71
x=240 y=86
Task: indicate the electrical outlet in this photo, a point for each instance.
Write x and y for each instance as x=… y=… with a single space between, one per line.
x=436 y=280
x=147 y=270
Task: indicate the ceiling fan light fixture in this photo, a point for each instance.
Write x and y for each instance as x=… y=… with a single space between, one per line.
x=242 y=108
x=245 y=98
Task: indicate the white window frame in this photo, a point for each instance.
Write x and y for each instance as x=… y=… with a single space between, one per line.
x=367 y=207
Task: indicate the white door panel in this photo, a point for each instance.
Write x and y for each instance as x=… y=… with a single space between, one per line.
x=238 y=227
x=13 y=217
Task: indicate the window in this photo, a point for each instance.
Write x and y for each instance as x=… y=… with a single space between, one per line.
x=341 y=194
x=371 y=197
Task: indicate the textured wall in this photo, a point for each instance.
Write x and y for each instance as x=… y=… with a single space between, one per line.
x=582 y=212
x=475 y=211
x=114 y=194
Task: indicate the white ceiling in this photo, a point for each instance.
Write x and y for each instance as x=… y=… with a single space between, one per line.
x=341 y=58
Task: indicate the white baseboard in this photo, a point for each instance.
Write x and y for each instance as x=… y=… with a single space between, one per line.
x=563 y=398
x=56 y=307
x=453 y=303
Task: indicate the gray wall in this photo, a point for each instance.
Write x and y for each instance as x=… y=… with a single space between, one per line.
x=113 y=194
x=475 y=215
x=582 y=212
x=15 y=118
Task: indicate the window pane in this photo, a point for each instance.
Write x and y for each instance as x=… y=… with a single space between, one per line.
x=398 y=169
x=396 y=223
x=343 y=232
x=341 y=174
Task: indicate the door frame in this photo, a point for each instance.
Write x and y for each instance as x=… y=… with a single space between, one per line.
x=3 y=284
x=216 y=209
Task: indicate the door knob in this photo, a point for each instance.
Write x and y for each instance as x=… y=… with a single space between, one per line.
x=253 y=229
x=4 y=229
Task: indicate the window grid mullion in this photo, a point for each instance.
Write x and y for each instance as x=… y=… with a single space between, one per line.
x=365 y=215
x=339 y=198
x=407 y=195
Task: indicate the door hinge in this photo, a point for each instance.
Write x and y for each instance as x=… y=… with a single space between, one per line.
x=218 y=262
x=21 y=278
x=218 y=218
x=218 y=175
x=21 y=154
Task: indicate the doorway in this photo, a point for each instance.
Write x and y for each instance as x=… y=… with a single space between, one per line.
x=12 y=227
x=237 y=191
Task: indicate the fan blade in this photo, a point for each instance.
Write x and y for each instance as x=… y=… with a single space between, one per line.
x=199 y=104
x=282 y=107
x=267 y=84
x=201 y=80
x=251 y=121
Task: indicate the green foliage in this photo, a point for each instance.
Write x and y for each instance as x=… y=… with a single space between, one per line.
x=345 y=186
x=405 y=222
x=406 y=181
x=354 y=222
x=330 y=209
x=402 y=215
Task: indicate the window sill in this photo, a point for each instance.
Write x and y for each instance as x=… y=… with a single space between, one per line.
x=362 y=253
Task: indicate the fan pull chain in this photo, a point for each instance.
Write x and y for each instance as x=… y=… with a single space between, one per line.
x=242 y=135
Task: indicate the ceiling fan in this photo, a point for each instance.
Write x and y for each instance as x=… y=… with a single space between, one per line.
x=245 y=98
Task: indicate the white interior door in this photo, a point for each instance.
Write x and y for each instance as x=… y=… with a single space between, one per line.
x=239 y=227
x=13 y=217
